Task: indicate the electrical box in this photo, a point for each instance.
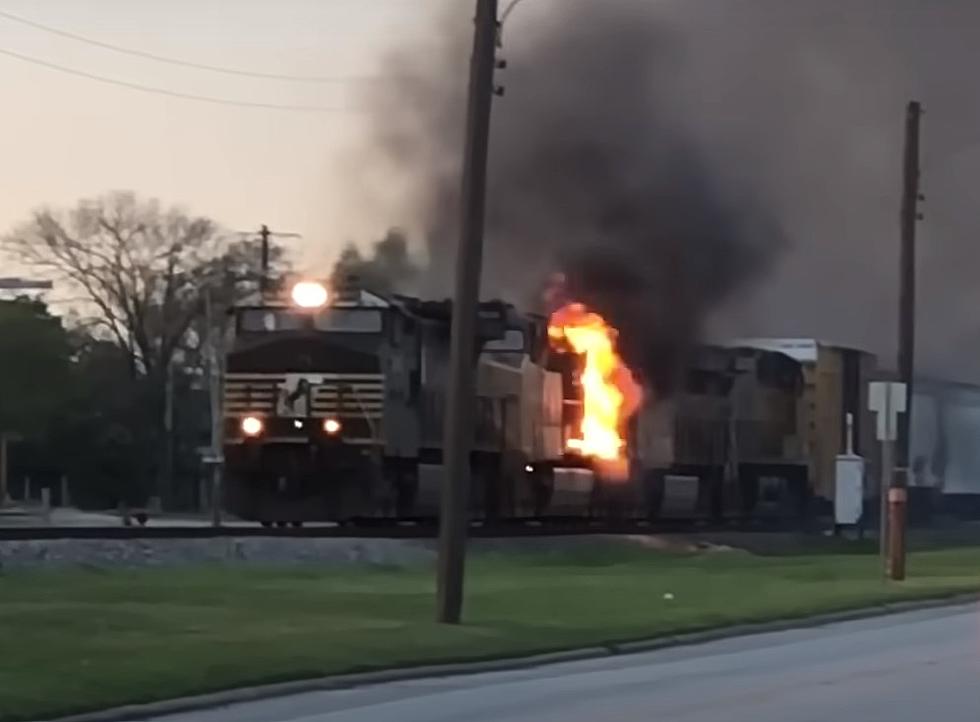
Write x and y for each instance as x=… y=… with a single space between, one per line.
x=849 y=489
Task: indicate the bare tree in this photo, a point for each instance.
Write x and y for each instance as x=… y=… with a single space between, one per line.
x=142 y=268
x=141 y=273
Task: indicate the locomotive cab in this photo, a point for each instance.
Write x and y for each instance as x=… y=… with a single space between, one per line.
x=303 y=403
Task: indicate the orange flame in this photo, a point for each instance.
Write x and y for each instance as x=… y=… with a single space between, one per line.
x=610 y=395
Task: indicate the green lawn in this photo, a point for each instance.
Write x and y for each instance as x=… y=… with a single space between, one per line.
x=83 y=640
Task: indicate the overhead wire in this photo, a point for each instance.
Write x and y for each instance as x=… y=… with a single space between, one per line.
x=178 y=61
x=173 y=93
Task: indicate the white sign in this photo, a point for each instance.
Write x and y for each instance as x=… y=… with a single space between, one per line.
x=887 y=400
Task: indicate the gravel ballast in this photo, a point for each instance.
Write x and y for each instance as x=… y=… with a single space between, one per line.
x=134 y=553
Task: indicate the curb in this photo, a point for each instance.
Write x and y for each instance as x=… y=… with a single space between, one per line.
x=344 y=681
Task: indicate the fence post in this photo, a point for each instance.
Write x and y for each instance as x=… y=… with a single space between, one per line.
x=46 y=504
x=27 y=489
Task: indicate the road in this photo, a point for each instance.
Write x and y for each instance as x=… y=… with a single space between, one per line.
x=902 y=668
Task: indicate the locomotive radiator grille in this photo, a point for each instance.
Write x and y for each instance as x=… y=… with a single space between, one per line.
x=351 y=395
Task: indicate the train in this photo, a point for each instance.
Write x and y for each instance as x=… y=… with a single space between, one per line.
x=333 y=411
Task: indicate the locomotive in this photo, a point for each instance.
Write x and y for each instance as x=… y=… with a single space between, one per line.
x=754 y=430
x=333 y=411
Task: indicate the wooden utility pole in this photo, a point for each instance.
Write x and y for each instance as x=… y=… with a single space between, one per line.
x=265 y=235
x=4 y=487
x=215 y=367
x=898 y=493
x=458 y=432
x=887 y=399
x=264 y=280
x=906 y=300
x=167 y=492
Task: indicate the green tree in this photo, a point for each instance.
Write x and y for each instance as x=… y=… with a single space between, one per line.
x=106 y=439
x=141 y=268
x=142 y=272
x=34 y=366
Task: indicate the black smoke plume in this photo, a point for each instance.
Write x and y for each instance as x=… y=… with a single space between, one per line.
x=592 y=174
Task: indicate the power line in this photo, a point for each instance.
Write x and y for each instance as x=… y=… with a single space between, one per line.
x=173 y=93
x=178 y=61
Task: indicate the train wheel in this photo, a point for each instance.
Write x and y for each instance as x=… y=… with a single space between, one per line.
x=748 y=485
x=543 y=486
x=406 y=487
x=654 y=490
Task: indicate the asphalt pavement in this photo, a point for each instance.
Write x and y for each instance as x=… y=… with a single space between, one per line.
x=902 y=668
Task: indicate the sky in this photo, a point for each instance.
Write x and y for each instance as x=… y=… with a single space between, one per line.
x=800 y=102
x=65 y=138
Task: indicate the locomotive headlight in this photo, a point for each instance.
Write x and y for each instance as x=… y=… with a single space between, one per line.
x=331 y=426
x=309 y=294
x=252 y=426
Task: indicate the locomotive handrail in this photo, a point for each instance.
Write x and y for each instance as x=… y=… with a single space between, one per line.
x=364 y=411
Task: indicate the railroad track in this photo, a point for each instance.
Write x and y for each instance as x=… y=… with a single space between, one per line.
x=376 y=530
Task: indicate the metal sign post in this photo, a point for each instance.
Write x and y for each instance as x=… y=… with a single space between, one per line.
x=888 y=399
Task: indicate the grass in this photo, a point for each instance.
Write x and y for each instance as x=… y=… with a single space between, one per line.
x=82 y=640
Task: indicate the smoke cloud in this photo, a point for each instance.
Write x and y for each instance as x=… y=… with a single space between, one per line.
x=686 y=164
x=591 y=175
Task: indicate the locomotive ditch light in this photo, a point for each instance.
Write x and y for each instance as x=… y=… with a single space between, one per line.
x=309 y=294
x=331 y=426
x=252 y=426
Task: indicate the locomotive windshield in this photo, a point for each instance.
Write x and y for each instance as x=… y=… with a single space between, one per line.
x=271 y=320
x=333 y=320
x=348 y=320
